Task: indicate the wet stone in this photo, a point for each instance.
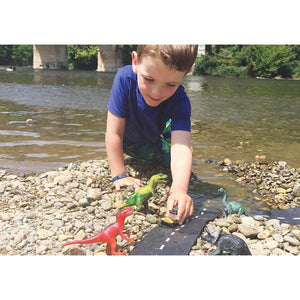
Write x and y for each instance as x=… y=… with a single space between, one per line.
x=291 y=240
x=58 y=223
x=222 y=223
x=151 y=218
x=107 y=205
x=83 y=202
x=263 y=234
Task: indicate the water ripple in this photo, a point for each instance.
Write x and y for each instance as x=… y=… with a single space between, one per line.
x=43 y=143
x=20 y=133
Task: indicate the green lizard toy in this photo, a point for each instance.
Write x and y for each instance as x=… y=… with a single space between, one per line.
x=232 y=207
x=140 y=197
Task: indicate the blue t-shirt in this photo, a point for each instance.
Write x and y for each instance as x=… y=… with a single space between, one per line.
x=145 y=123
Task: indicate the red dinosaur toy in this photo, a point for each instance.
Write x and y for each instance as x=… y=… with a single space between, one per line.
x=108 y=235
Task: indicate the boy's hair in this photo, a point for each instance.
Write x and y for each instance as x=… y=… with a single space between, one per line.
x=180 y=57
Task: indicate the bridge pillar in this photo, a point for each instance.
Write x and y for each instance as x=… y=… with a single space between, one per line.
x=50 y=57
x=109 y=58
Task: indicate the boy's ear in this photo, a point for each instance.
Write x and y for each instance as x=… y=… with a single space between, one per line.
x=190 y=71
x=134 y=61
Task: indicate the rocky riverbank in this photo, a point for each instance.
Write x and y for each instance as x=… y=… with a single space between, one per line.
x=262 y=236
x=274 y=182
x=39 y=213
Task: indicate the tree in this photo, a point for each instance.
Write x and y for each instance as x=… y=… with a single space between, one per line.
x=250 y=60
x=19 y=55
x=83 y=57
x=5 y=54
x=270 y=60
x=22 y=55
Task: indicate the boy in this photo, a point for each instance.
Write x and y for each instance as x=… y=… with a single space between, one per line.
x=143 y=98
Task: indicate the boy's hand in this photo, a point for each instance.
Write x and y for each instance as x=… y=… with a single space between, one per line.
x=127 y=181
x=184 y=203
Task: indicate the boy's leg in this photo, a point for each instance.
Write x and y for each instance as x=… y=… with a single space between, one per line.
x=165 y=145
x=159 y=151
x=144 y=153
x=164 y=155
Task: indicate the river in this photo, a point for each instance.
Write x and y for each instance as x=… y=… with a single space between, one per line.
x=231 y=118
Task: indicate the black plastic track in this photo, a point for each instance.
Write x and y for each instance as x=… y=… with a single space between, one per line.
x=164 y=240
x=290 y=216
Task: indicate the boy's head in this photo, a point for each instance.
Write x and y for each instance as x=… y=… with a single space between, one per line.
x=160 y=69
x=179 y=57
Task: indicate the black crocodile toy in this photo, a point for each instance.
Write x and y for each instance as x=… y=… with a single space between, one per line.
x=226 y=242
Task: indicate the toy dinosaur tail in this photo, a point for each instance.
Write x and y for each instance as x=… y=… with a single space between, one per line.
x=122 y=205
x=91 y=240
x=211 y=237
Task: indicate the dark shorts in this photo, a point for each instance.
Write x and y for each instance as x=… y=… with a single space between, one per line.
x=158 y=151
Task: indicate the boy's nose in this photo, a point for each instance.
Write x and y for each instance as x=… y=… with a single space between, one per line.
x=156 y=93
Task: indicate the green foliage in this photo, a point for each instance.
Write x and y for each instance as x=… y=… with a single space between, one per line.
x=205 y=64
x=17 y=55
x=83 y=57
x=221 y=64
x=23 y=55
x=5 y=54
x=269 y=60
x=296 y=71
x=250 y=60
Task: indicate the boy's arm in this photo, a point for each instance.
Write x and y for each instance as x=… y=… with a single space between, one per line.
x=114 y=146
x=181 y=168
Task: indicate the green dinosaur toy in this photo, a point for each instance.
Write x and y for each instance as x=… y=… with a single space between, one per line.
x=140 y=197
x=232 y=207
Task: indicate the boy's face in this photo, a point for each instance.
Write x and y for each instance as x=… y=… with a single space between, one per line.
x=156 y=81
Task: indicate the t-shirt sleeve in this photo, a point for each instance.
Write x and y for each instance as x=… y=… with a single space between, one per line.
x=118 y=95
x=181 y=119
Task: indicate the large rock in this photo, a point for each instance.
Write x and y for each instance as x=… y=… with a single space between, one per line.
x=62 y=179
x=249 y=221
x=271 y=244
x=263 y=234
x=107 y=205
x=248 y=231
x=94 y=194
x=222 y=222
x=73 y=250
x=277 y=237
x=291 y=240
x=275 y=223
x=296 y=189
x=151 y=218
x=5 y=217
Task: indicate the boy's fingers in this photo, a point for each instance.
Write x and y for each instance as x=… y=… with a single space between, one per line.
x=184 y=210
x=191 y=209
x=136 y=186
x=136 y=183
x=170 y=204
x=181 y=212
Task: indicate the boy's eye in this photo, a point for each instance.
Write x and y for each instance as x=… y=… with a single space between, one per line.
x=148 y=79
x=171 y=84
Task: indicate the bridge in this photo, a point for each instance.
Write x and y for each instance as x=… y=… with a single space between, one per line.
x=56 y=57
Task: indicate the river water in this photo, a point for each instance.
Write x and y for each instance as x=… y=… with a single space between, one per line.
x=231 y=118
